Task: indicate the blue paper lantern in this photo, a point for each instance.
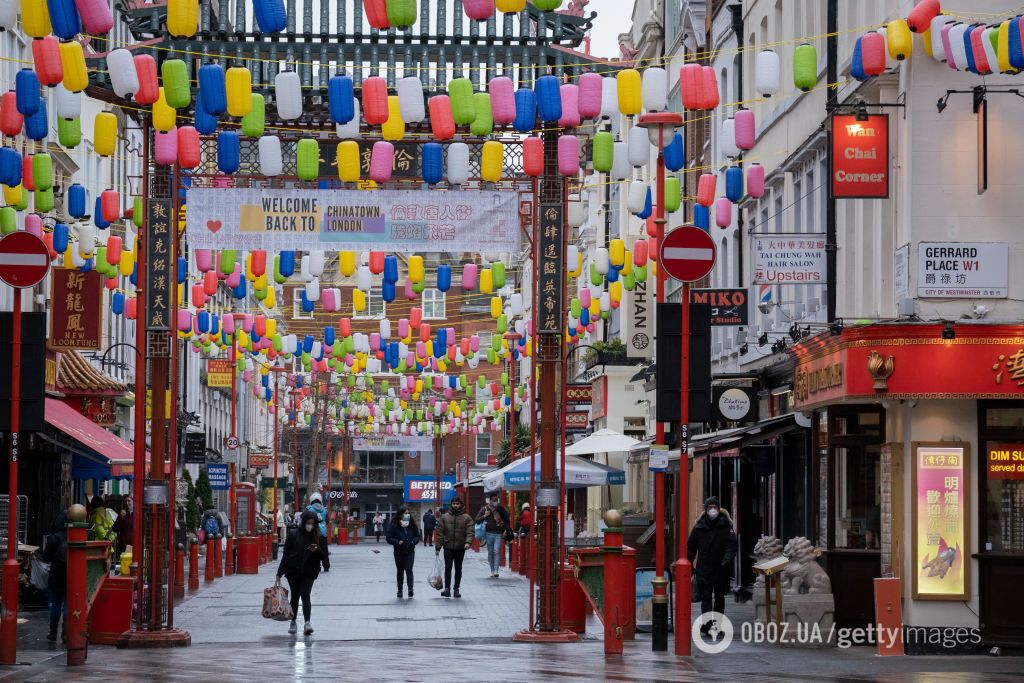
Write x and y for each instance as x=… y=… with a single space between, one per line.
x=675 y=157
x=182 y=271
x=307 y=305
x=87 y=266
x=205 y=123
x=1016 y=49
x=387 y=291
x=391 y=268
x=341 y=98
x=433 y=163
x=444 y=277
x=60 y=238
x=585 y=317
x=265 y=380
x=267 y=394
x=228 y=151
x=64 y=19
x=300 y=379
x=241 y=290
x=270 y=15
x=214 y=324
x=613 y=274
x=97 y=215
x=549 y=99
x=526 y=110
x=648 y=206
x=36 y=126
x=134 y=277
x=211 y=84
x=442 y=340
x=702 y=216
x=734 y=183
x=307 y=347
x=10 y=167
x=971 y=66
x=203 y=321
x=329 y=336
x=117 y=303
x=77 y=199
x=286 y=263
x=857 y=63
x=26 y=88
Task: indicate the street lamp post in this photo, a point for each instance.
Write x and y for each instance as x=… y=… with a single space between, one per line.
x=661 y=125
x=277 y=404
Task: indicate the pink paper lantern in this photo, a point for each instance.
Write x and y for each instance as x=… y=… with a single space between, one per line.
x=204 y=260
x=503 y=100
x=570 y=95
x=469 y=277
x=34 y=225
x=568 y=155
x=96 y=16
x=745 y=129
x=382 y=161
x=184 y=320
x=590 y=95
x=723 y=212
x=227 y=323
x=755 y=181
x=166 y=147
x=478 y=10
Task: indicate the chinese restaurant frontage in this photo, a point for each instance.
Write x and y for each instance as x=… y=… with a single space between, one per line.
x=919 y=435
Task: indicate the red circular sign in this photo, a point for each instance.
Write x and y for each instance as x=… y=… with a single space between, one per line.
x=687 y=254
x=24 y=259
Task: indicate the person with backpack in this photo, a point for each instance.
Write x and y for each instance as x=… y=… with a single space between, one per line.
x=404 y=536
x=211 y=524
x=55 y=551
x=305 y=552
x=316 y=506
x=454 y=535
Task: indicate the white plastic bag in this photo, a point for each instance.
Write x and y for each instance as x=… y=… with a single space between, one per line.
x=40 y=573
x=436 y=578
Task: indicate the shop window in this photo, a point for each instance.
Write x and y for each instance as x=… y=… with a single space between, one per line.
x=483 y=449
x=858 y=497
x=1002 y=486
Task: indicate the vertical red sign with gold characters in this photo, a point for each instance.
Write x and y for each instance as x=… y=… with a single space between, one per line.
x=941 y=559
x=859 y=159
x=75 y=311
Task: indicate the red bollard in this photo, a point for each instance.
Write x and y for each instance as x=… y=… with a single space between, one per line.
x=229 y=556
x=218 y=557
x=193 y=566
x=501 y=553
x=616 y=607
x=210 y=575
x=572 y=601
x=515 y=555
x=179 y=572
x=524 y=555
x=76 y=617
x=342 y=537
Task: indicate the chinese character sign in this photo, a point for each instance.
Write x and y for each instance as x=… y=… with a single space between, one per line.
x=789 y=259
x=160 y=265
x=940 y=567
x=550 y=269
x=75 y=310
x=218 y=373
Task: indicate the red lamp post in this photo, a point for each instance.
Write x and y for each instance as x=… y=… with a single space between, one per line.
x=661 y=126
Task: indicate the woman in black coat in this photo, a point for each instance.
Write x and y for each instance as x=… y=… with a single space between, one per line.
x=404 y=535
x=305 y=550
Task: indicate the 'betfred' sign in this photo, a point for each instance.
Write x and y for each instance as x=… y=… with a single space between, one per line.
x=421 y=489
x=860 y=157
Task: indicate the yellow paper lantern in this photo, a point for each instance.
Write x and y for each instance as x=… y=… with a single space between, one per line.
x=182 y=18
x=416 y=270
x=496 y=307
x=72 y=60
x=393 y=129
x=616 y=252
x=35 y=18
x=238 y=82
x=164 y=116
x=492 y=160
x=349 y=164
x=358 y=300
x=127 y=264
x=630 y=92
x=510 y=6
x=12 y=195
x=347 y=261
x=486 y=281
x=105 y=133
x=271 y=301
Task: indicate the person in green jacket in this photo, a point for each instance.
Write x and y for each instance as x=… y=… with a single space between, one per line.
x=101 y=526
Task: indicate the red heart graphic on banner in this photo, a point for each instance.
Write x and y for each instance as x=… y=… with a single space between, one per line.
x=213 y=226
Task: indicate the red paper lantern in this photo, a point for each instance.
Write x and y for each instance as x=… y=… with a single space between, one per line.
x=706 y=189
x=11 y=120
x=442 y=121
x=709 y=93
x=375 y=100
x=377 y=14
x=149 y=84
x=920 y=18
x=533 y=157
x=376 y=262
x=46 y=56
x=872 y=53
x=690 y=83
x=189 y=154
x=110 y=206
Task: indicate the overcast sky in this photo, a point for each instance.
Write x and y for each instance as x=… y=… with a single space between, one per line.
x=613 y=18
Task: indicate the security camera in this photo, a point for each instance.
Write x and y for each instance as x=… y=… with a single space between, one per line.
x=980 y=311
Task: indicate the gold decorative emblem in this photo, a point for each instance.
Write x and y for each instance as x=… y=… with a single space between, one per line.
x=881 y=370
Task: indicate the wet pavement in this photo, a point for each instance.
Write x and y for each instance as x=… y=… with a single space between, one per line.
x=364 y=633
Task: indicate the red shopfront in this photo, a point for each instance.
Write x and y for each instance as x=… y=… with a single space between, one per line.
x=885 y=396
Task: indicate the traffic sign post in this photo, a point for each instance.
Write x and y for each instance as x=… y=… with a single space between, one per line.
x=24 y=263
x=687 y=254
x=232 y=443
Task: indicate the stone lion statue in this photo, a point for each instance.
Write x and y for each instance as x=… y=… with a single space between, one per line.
x=766 y=548
x=803 y=574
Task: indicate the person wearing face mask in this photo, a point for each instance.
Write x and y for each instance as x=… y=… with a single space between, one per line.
x=404 y=535
x=454 y=535
x=496 y=520
x=712 y=543
x=124 y=524
x=305 y=551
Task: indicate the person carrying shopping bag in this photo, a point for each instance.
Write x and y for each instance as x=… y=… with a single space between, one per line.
x=404 y=535
x=305 y=551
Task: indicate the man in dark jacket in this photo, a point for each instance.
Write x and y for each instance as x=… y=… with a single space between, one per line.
x=455 y=535
x=712 y=543
x=429 y=524
x=55 y=551
x=305 y=551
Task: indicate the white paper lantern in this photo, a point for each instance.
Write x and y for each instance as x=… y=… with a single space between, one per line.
x=316 y=263
x=385 y=328
x=410 y=99
x=636 y=198
x=990 y=49
x=572 y=257
x=655 y=89
x=609 y=97
x=601 y=259
x=86 y=240
x=8 y=14
x=639 y=146
x=727 y=138
x=956 y=44
x=124 y=79
x=576 y=214
x=458 y=163
x=271 y=162
x=69 y=104
x=515 y=304
x=767 y=73
x=304 y=273
x=350 y=130
x=364 y=279
x=288 y=95
x=621 y=167
x=935 y=32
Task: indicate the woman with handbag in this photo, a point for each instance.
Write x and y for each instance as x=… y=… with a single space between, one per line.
x=305 y=551
x=404 y=535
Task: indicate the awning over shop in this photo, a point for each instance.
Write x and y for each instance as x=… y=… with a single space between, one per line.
x=100 y=449
x=579 y=473
x=729 y=441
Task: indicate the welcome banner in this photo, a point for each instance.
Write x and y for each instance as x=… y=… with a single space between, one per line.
x=404 y=221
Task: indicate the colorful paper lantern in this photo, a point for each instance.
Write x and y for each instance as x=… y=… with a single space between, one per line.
x=673 y=194
x=805 y=67
x=46 y=59
x=288 y=95
x=755 y=181
x=654 y=89
x=393 y=129
x=745 y=129
x=432 y=163
x=898 y=40
x=568 y=155
x=35 y=19
x=382 y=161
x=253 y=122
x=228 y=151
x=307 y=159
x=177 y=90
x=182 y=18
x=124 y=79
x=271 y=16
x=526 y=110
x=410 y=99
x=442 y=122
x=630 y=92
x=478 y=10
x=105 y=133
x=734 y=183
x=460 y=91
x=149 y=84
x=639 y=146
x=26 y=85
x=706 y=189
x=213 y=87
x=549 y=99
x=503 y=100
x=921 y=16
x=458 y=163
x=603 y=151
x=483 y=120
x=349 y=162
x=767 y=72
x=492 y=160
x=271 y=161
x=400 y=13
x=376 y=13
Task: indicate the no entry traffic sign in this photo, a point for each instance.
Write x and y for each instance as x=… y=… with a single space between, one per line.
x=24 y=260
x=687 y=254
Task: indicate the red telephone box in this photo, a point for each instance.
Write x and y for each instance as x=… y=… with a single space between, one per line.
x=245 y=495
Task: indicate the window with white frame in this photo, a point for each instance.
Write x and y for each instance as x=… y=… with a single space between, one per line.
x=433 y=303
x=297 y=312
x=483 y=449
x=486 y=339
x=375 y=307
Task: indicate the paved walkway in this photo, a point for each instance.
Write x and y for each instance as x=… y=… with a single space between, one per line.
x=364 y=633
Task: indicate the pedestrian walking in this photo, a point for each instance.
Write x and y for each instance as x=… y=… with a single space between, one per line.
x=378 y=525
x=429 y=524
x=454 y=536
x=496 y=524
x=305 y=551
x=282 y=528
x=712 y=543
x=55 y=551
x=404 y=536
